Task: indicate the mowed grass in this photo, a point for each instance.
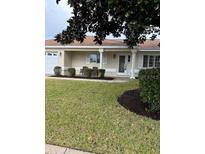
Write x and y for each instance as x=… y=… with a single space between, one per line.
x=86 y=115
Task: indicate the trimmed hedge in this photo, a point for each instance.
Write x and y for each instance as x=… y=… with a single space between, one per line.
x=94 y=72
x=87 y=72
x=101 y=73
x=149 y=83
x=57 y=70
x=71 y=72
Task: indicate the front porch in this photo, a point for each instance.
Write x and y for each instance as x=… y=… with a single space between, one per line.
x=116 y=62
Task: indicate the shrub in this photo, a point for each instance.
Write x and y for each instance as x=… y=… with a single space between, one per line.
x=82 y=70
x=85 y=67
x=149 y=83
x=94 y=72
x=87 y=72
x=101 y=73
x=71 y=72
x=57 y=70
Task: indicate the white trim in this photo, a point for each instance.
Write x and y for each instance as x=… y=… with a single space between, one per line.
x=52 y=53
x=111 y=70
x=132 y=70
x=101 y=50
x=101 y=57
x=100 y=47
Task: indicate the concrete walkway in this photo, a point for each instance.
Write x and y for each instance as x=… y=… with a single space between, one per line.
x=117 y=80
x=53 y=149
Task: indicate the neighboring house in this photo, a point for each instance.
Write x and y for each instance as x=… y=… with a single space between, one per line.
x=113 y=55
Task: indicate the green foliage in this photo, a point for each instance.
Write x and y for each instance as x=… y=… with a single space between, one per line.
x=84 y=67
x=82 y=70
x=149 y=83
x=94 y=72
x=57 y=70
x=133 y=18
x=71 y=72
x=89 y=118
x=101 y=73
x=87 y=72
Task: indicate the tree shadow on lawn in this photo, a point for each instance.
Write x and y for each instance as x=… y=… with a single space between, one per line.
x=131 y=101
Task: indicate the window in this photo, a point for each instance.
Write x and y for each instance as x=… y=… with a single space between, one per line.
x=145 y=61
x=150 y=61
x=49 y=54
x=94 y=58
x=157 y=61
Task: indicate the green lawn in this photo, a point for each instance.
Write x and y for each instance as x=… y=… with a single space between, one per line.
x=86 y=115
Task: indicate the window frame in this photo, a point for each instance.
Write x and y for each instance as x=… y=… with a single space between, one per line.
x=157 y=61
x=49 y=54
x=148 y=61
x=97 y=61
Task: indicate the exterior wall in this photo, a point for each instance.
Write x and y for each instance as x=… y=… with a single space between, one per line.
x=110 y=64
x=77 y=58
x=139 y=58
x=68 y=59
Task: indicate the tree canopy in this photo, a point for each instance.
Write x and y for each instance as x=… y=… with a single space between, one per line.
x=133 y=18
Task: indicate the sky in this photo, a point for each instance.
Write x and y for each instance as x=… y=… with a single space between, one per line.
x=56 y=17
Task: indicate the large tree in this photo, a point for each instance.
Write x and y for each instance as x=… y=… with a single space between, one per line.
x=133 y=18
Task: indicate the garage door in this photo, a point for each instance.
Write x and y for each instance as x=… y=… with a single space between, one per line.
x=51 y=60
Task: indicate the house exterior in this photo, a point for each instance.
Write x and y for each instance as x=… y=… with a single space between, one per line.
x=113 y=55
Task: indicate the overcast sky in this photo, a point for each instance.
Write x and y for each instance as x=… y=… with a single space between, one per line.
x=56 y=17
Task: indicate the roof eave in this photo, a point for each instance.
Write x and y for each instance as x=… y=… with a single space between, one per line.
x=91 y=47
x=97 y=47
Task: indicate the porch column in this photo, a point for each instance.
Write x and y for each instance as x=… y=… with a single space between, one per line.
x=62 y=60
x=132 y=71
x=101 y=58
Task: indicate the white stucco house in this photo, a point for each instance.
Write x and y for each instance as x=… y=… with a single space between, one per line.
x=113 y=55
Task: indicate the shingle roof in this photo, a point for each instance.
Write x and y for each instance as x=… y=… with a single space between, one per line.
x=148 y=44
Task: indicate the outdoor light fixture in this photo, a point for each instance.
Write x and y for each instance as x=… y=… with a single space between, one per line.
x=114 y=56
x=60 y=53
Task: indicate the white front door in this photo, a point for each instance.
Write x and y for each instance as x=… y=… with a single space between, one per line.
x=122 y=65
x=51 y=60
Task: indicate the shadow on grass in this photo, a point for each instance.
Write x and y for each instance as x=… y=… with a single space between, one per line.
x=81 y=77
x=131 y=101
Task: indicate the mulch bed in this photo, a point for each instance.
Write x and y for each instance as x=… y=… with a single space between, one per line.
x=131 y=101
x=81 y=77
